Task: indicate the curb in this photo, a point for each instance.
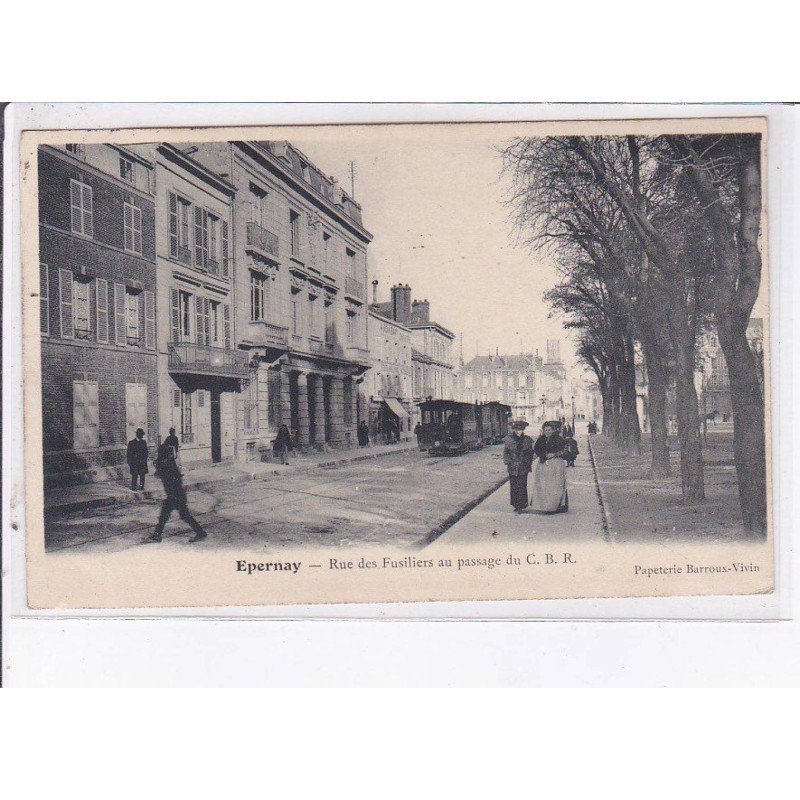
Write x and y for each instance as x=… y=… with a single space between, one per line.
x=69 y=507
x=605 y=508
x=442 y=527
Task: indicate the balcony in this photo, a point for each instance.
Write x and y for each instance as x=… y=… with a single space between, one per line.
x=262 y=242
x=265 y=334
x=184 y=255
x=200 y=359
x=212 y=266
x=134 y=341
x=355 y=288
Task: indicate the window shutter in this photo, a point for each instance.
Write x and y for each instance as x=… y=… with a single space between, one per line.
x=149 y=320
x=137 y=230
x=175 y=316
x=101 y=290
x=199 y=305
x=198 y=237
x=88 y=223
x=225 y=267
x=44 y=300
x=75 y=206
x=128 y=226
x=120 y=333
x=65 y=301
x=226 y=315
x=201 y=398
x=176 y=398
x=173 y=225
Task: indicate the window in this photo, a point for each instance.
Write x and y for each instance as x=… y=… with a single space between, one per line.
x=81 y=217
x=80 y=309
x=126 y=169
x=225 y=253
x=77 y=150
x=185 y=316
x=187 y=433
x=203 y=326
x=351 y=262
x=258 y=296
x=200 y=237
x=44 y=300
x=258 y=205
x=294 y=230
x=326 y=244
x=313 y=316
x=251 y=404
x=213 y=246
x=133 y=228
x=329 y=325
x=216 y=323
x=132 y=317
x=179 y=210
x=350 y=327
x=85 y=415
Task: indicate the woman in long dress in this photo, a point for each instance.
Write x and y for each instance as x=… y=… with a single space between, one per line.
x=549 y=494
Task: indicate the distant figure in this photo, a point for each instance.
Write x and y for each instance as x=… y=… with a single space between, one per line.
x=283 y=444
x=518 y=458
x=571 y=451
x=550 y=481
x=175 y=500
x=363 y=434
x=172 y=441
x=137 y=460
x=568 y=430
x=592 y=429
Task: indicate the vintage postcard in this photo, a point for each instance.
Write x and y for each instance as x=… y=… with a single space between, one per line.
x=381 y=363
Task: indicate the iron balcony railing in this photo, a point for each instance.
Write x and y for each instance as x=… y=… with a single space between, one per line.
x=184 y=255
x=263 y=240
x=134 y=341
x=212 y=266
x=355 y=288
x=202 y=359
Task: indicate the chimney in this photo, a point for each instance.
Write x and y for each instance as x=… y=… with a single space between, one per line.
x=421 y=311
x=375 y=290
x=401 y=303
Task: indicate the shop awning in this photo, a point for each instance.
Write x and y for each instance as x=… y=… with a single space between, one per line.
x=395 y=407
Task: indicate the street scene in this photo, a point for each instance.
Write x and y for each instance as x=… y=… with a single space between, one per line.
x=327 y=342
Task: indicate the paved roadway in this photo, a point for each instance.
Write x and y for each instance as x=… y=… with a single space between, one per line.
x=494 y=519
x=394 y=500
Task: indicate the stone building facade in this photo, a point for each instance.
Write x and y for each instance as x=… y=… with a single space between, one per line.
x=97 y=303
x=201 y=373
x=300 y=250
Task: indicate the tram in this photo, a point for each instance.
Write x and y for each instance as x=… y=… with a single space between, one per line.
x=495 y=421
x=448 y=428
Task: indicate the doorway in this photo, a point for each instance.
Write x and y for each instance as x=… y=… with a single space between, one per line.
x=216 y=427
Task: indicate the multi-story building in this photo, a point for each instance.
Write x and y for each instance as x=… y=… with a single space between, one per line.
x=534 y=388
x=389 y=379
x=431 y=347
x=201 y=374
x=98 y=310
x=300 y=250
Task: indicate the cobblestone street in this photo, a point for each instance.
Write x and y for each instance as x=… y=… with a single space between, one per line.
x=398 y=500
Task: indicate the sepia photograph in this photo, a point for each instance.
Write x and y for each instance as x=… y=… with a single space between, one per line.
x=364 y=363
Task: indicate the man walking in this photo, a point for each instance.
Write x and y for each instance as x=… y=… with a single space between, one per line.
x=283 y=444
x=137 y=460
x=175 y=500
x=518 y=458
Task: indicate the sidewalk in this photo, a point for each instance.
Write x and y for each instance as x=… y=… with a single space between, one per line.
x=639 y=508
x=68 y=499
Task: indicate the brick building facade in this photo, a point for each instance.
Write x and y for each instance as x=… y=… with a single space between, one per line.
x=97 y=304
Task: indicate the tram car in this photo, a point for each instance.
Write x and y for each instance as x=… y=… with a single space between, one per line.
x=448 y=428
x=495 y=421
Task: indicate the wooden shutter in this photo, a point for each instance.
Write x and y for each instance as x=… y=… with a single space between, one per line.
x=137 y=230
x=65 y=302
x=175 y=316
x=149 y=320
x=101 y=290
x=225 y=266
x=128 y=225
x=199 y=259
x=173 y=224
x=226 y=316
x=201 y=318
x=76 y=221
x=135 y=408
x=120 y=332
x=44 y=299
x=86 y=206
x=85 y=416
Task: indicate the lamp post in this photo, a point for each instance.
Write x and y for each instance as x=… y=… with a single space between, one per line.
x=543 y=398
x=573 y=414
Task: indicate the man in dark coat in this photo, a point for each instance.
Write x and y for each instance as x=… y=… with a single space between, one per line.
x=172 y=441
x=137 y=460
x=363 y=434
x=518 y=458
x=571 y=451
x=283 y=444
x=175 y=500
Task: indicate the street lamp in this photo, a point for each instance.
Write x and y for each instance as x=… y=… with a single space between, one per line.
x=573 y=413
x=543 y=398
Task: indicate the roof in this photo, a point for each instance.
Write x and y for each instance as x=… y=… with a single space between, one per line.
x=440 y=328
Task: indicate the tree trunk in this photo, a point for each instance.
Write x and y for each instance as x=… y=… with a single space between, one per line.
x=631 y=434
x=692 y=481
x=657 y=379
x=749 y=446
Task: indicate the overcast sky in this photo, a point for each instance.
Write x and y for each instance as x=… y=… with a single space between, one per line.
x=432 y=196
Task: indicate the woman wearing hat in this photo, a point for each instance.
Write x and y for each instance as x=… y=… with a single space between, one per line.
x=518 y=458
x=550 y=481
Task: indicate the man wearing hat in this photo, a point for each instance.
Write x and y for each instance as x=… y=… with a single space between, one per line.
x=518 y=458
